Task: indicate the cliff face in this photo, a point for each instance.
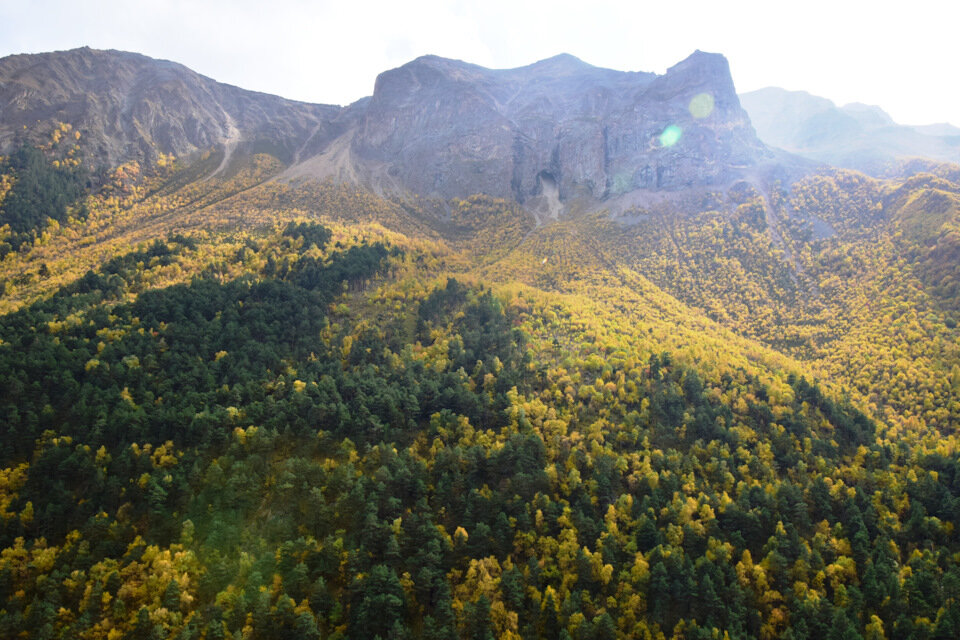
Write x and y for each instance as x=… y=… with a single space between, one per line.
x=447 y=128
x=559 y=129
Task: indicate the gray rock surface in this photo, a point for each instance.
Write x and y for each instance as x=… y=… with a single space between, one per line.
x=128 y=106
x=549 y=134
x=444 y=127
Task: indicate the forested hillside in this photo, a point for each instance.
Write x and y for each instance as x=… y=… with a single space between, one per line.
x=249 y=408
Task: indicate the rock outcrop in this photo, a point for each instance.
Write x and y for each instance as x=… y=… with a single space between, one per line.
x=447 y=128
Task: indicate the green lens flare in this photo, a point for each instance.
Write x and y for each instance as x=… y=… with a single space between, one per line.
x=670 y=136
x=701 y=105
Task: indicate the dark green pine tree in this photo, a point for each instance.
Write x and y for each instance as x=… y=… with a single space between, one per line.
x=305 y=627
x=658 y=594
x=171 y=596
x=843 y=628
x=442 y=624
x=603 y=628
x=477 y=620
x=511 y=585
x=948 y=624
x=549 y=622
x=377 y=603
x=144 y=629
x=710 y=604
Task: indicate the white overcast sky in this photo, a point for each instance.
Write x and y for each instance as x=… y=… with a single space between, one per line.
x=900 y=55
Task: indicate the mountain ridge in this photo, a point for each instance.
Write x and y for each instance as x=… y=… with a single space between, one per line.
x=433 y=127
x=120 y=103
x=855 y=136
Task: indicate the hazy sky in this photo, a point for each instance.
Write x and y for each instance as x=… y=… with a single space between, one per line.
x=901 y=56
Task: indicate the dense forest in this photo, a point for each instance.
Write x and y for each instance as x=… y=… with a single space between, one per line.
x=35 y=190
x=246 y=409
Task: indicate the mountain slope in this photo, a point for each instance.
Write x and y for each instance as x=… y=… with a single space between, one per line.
x=238 y=401
x=271 y=429
x=130 y=107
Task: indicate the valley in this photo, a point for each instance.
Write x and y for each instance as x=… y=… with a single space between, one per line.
x=474 y=357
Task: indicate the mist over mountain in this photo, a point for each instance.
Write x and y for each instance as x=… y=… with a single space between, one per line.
x=939 y=129
x=855 y=136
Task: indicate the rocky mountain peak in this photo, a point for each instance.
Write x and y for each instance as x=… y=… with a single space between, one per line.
x=560 y=64
x=702 y=71
x=444 y=127
x=558 y=128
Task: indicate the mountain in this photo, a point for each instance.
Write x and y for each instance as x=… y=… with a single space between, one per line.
x=779 y=115
x=550 y=134
x=448 y=128
x=940 y=129
x=285 y=386
x=130 y=107
x=855 y=136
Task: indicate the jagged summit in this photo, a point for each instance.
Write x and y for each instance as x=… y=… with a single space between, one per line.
x=554 y=65
x=433 y=126
x=709 y=69
x=444 y=127
x=702 y=60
